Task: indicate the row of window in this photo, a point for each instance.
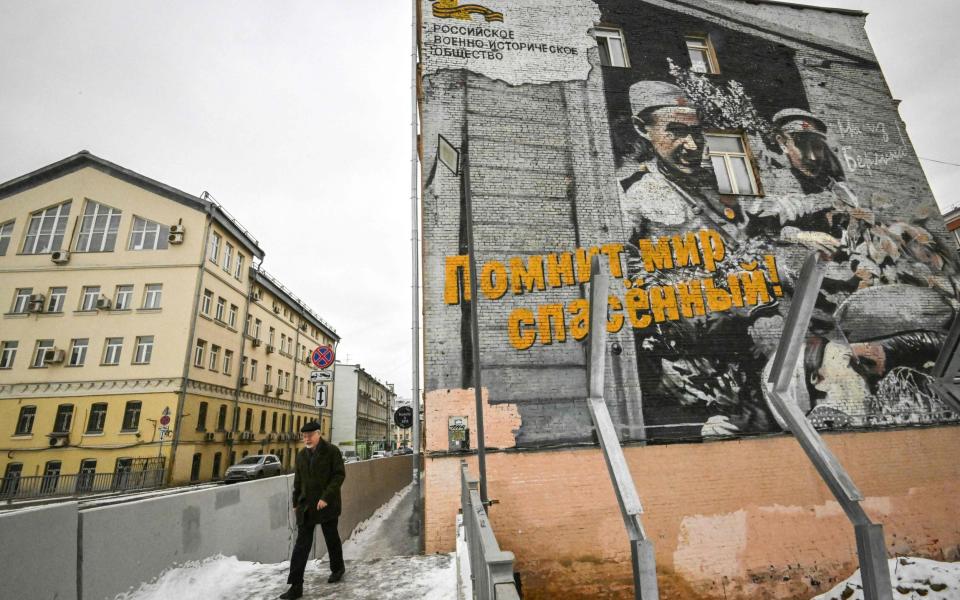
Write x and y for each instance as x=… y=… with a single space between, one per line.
x=211 y=361
x=219 y=310
x=91 y=299
x=229 y=263
x=45 y=352
x=99 y=227
x=123 y=473
x=63 y=420
x=613 y=50
x=248 y=420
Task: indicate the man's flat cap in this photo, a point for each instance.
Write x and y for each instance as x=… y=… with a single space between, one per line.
x=310 y=426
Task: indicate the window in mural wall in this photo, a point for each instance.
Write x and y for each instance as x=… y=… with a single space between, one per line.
x=731 y=164
x=703 y=58
x=613 y=52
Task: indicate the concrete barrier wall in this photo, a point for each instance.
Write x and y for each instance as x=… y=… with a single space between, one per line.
x=124 y=544
x=36 y=543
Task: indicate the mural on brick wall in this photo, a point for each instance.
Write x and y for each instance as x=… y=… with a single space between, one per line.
x=724 y=177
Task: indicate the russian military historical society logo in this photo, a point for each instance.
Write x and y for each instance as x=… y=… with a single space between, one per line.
x=452 y=9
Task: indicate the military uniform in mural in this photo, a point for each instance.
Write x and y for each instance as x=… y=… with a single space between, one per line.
x=699 y=376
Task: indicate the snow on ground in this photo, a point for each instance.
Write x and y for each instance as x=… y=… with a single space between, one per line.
x=371 y=571
x=911 y=579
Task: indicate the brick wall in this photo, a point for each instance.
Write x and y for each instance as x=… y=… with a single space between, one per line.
x=741 y=519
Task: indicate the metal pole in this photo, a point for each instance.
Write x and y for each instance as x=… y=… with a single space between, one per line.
x=417 y=521
x=871 y=549
x=474 y=322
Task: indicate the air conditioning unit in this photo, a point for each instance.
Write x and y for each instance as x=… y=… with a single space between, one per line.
x=54 y=356
x=208 y=436
x=60 y=257
x=103 y=303
x=228 y=435
x=267 y=388
x=175 y=238
x=276 y=307
x=58 y=439
x=303 y=326
x=244 y=381
x=248 y=435
x=271 y=348
x=35 y=306
x=178 y=228
x=256 y=342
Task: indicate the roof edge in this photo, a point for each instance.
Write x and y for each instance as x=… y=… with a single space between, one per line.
x=268 y=281
x=843 y=11
x=84 y=158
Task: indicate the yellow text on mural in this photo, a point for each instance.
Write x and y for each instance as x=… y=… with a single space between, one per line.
x=452 y=9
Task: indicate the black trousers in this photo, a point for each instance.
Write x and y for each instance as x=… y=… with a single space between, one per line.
x=301 y=550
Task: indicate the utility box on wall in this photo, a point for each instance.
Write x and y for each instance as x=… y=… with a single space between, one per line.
x=458 y=434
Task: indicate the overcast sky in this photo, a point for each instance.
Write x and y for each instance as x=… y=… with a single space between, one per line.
x=295 y=116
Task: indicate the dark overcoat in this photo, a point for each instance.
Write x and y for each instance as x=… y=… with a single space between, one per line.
x=318 y=475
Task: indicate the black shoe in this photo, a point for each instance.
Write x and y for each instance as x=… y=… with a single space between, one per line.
x=295 y=591
x=335 y=576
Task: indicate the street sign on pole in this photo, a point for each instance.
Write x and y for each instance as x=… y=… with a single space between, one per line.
x=322 y=356
x=319 y=376
x=403 y=417
x=320 y=398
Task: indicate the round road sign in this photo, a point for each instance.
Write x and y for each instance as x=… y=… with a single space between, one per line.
x=322 y=356
x=165 y=420
x=403 y=417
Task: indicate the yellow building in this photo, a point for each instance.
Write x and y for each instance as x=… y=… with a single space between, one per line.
x=130 y=300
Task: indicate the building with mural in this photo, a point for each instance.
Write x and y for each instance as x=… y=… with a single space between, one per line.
x=141 y=335
x=361 y=414
x=702 y=150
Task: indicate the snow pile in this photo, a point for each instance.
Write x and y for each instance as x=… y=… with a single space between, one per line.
x=212 y=579
x=364 y=537
x=911 y=579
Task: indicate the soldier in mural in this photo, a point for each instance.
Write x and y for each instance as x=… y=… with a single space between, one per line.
x=694 y=373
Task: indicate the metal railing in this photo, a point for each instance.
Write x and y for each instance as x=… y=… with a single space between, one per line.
x=491 y=569
x=44 y=486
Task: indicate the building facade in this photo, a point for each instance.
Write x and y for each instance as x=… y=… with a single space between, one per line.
x=141 y=333
x=361 y=413
x=701 y=150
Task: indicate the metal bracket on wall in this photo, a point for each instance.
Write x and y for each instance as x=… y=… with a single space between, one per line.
x=871 y=549
x=641 y=548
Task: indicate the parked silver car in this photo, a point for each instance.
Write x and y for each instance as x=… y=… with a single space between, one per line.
x=254 y=467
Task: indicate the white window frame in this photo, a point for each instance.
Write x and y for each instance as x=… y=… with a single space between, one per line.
x=238 y=272
x=220 y=308
x=227 y=256
x=144 y=350
x=148 y=235
x=198 y=350
x=607 y=34
x=56 y=298
x=89 y=297
x=227 y=361
x=702 y=43
x=78 y=352
x=8 y=353
x=207 y=302
x=6 y=233
x=92 y=236
x=44 y=240
x=214 y=250
x=726 y=155
x=124 y=297
x=253 y=369
x=112 y=349
x=232 y=315
x=214 y=362
x=21 y=300
x=40 y=353
x=152 y=296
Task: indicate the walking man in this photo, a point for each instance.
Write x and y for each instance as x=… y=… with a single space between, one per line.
x=318 y=474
